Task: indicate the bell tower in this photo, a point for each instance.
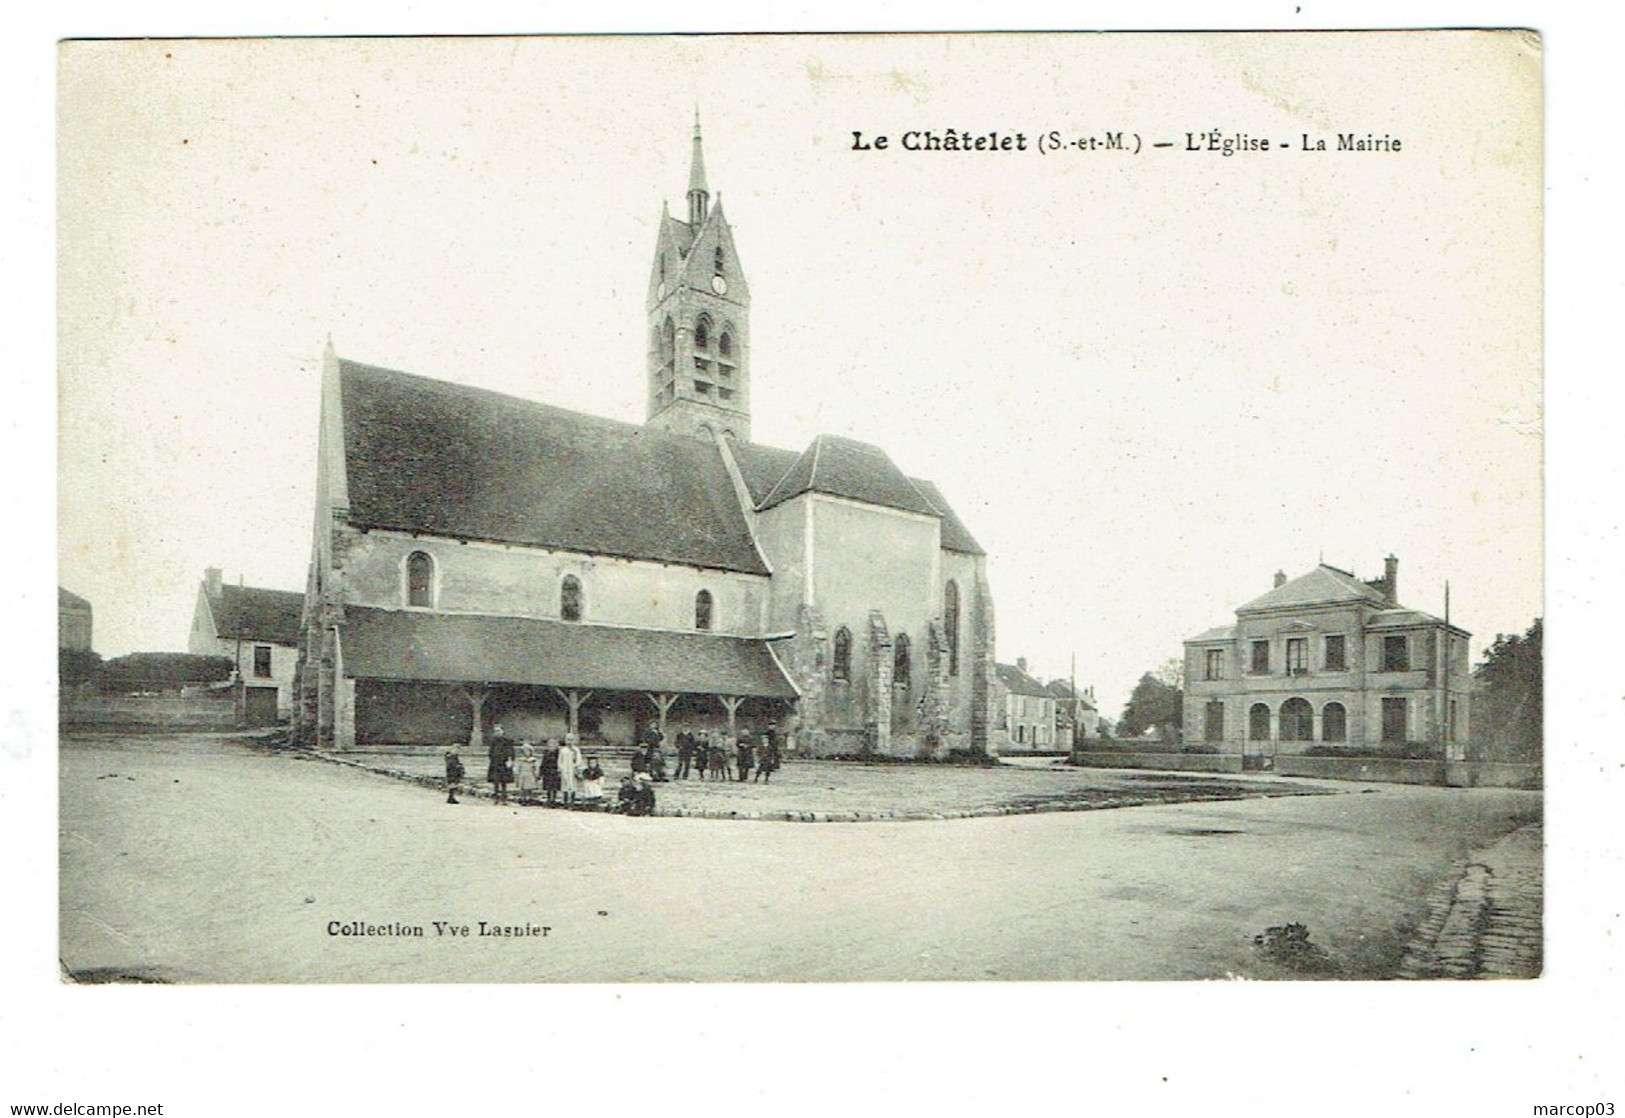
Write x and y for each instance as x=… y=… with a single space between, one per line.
x=698 y=312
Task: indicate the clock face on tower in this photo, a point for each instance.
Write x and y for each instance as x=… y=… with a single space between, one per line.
x=719 y=285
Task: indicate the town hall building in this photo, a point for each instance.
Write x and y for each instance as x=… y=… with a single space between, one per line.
x=1329 y=661
x=481 y=559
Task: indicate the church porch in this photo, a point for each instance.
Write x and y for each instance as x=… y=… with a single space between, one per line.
x=427 y=680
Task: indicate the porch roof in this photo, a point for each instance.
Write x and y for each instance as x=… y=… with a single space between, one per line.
x=463 y=648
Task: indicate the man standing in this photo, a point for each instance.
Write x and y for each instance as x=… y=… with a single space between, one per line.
x=685 y=753
x=499 y=771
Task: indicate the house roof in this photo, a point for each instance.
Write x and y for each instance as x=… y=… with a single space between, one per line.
x=1018 y=682
x=447 y=459
x=69 y=600
x=412 y=645
x=253 y=613
x=1061 y=689
x=1221 y=633
x=1322 y=586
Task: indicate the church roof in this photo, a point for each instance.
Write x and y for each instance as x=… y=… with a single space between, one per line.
x=67 y=599
x=767 y=471
x=446 y=459
x=462 y=648
x=253 y=613
x=847 y=468
x=955 y=536
x=762 y=467
x=1322 y=586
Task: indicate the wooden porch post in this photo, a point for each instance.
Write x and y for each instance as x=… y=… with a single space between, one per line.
x=476 y=699
x=663 y=703
x=730 y=703
x=573 y=699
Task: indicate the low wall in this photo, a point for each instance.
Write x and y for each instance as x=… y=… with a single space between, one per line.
x=1172 y=762
x=1491 y=774
x=168 y=711
x=1387 y=770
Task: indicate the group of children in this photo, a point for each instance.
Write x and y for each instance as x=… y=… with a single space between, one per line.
x=565 y=777
x=561 y=773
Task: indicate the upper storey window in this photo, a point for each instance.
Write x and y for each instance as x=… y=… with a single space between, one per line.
x=702 y=609
x=420 y=580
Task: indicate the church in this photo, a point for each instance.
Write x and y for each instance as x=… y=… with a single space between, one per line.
x=481 y=560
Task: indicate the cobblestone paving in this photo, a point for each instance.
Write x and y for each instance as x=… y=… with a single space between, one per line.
x=1485 y=922
x=851 y=792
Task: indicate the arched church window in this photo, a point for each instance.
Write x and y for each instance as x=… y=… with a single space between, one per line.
x=702 y=332
x=900 y=661
x=420 y=580
x=570 y=598
x=950 y=624
x=702 y=610
x=725 y=344
x=717 y=259
x=840 y=668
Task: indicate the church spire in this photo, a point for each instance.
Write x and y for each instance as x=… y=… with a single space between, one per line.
x=698 y=196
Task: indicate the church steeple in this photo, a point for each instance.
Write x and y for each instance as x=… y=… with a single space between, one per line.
x=699 y=197
x=698 y=319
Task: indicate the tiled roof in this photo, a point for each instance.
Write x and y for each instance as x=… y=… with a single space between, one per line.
x=1323 y=585
x=1061 y=689
x=446 y=459
x=765 y=467
x=68 y=599
x=1395 y=618
x=1222 y=633
x=847 y=468
x=1018 y=682
x=252 y=613
x=412 y=645
x=955 y=536
x=762 y=467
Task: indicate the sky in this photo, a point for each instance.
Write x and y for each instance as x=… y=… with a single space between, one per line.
x=1145 y=381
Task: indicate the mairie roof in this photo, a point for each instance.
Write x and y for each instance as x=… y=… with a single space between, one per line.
x=254 y=613
x=462 y=648
x=1323 y=585
x=446 y=459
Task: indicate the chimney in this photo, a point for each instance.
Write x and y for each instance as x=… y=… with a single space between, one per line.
x=1021 y=663
x=1280 y=578
x=211 y=581
x=1390 y=578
